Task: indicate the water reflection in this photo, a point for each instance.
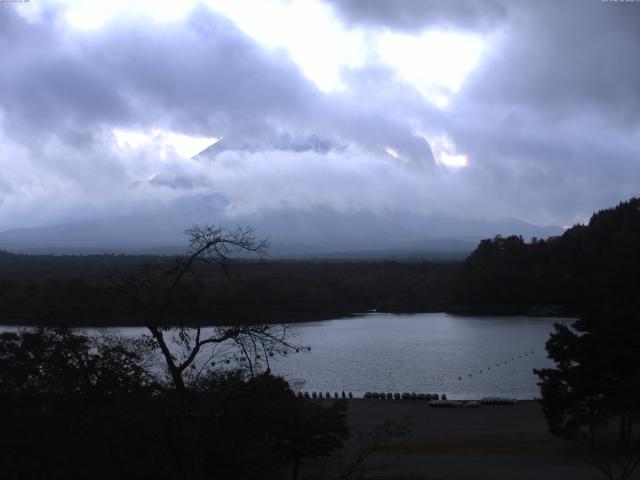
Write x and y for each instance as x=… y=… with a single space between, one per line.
x=462 y=356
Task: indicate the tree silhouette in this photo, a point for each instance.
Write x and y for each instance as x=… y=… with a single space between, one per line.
x=597 y=375
x=155 y=287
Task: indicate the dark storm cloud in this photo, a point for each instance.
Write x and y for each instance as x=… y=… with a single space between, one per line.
x=48 y=86
x=420 y=14
x=565 y=58
x=549 y=120
x=64 y=91
x=554 y=111
x=199 y=77
x=205 y=74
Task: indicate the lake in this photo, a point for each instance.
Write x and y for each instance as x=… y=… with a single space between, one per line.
x=463 y=356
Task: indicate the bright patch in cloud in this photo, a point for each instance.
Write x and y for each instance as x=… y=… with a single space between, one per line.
x=444 y=152
x=92 y=14
x=307 y=29
x=435 y=62
x=184 y=145
x=449 y=160
x=188 y=146
x=391 y=152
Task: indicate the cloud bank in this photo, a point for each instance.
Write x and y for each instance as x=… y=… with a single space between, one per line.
x=542 y=123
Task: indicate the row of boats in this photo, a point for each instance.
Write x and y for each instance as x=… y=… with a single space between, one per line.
x=434 y=399
x=404 y=396
x=327 y=395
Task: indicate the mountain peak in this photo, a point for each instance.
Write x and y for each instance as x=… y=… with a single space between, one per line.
x=281 y=141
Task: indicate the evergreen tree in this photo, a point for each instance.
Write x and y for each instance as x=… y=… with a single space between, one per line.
x=597 y=373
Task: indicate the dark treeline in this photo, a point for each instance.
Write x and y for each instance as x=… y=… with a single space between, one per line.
x=76 y=290
x=593 y=390
x=588 y=265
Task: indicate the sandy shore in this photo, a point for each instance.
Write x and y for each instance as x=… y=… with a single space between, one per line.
x=493 y=442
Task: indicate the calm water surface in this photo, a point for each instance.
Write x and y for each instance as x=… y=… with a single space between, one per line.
x=462 y=356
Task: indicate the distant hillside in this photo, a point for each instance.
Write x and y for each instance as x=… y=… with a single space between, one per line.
x=294 y=233
x=594 y=263
x=588 y=264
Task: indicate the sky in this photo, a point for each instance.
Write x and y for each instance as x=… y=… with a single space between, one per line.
x=477 y=108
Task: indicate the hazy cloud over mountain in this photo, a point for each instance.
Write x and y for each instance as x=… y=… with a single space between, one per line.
x=476 y=109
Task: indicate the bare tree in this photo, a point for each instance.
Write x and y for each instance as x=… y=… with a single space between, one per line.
x=153 y=288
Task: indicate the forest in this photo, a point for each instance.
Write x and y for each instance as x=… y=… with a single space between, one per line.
x=588 y=265
x=78 y=290
x=504 y=275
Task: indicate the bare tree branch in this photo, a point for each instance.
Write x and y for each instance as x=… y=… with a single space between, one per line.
x=152 y=290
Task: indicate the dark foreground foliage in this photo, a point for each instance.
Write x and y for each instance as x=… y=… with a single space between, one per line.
x=78 y=407
x=593 y=392
x=596 y=377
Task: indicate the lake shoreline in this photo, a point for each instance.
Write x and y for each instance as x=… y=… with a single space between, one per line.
x=462 y=356
x=237 y=318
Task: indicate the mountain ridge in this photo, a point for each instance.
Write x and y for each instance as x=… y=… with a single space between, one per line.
x=293 y=233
